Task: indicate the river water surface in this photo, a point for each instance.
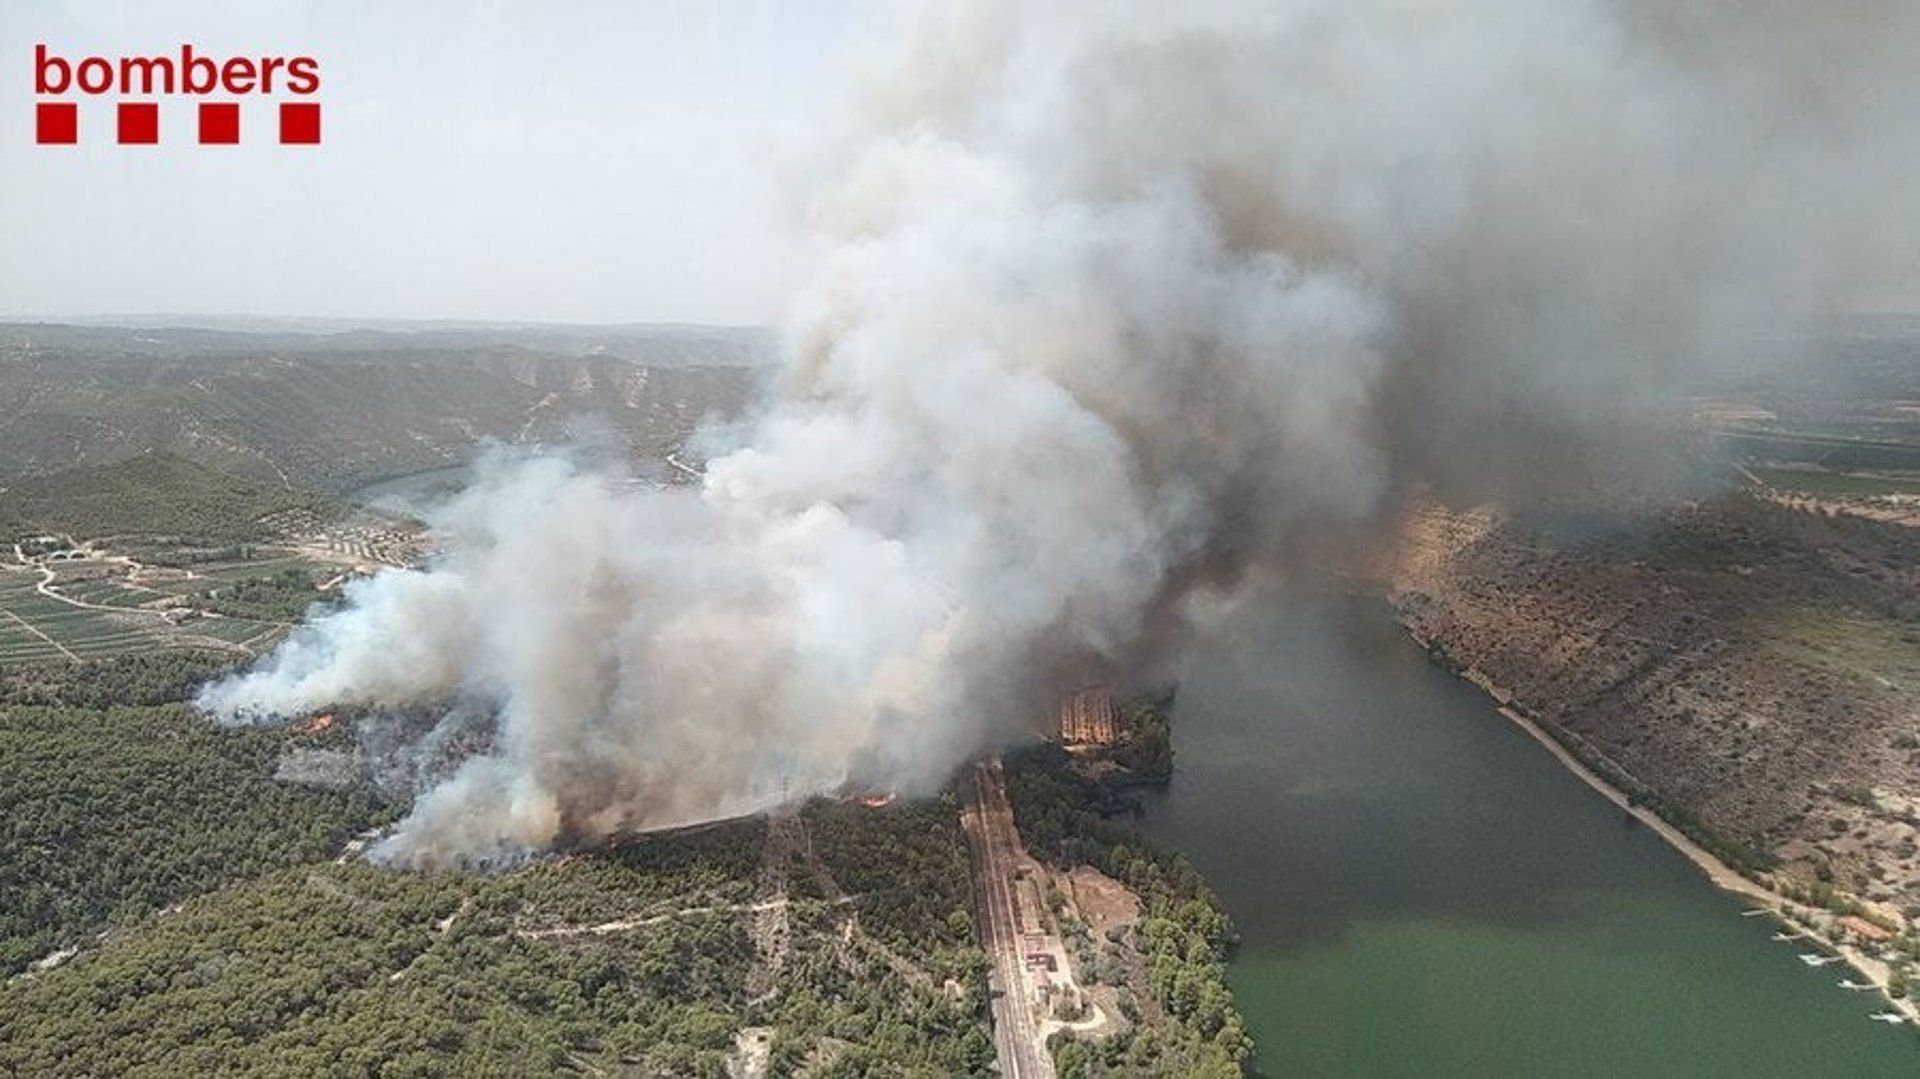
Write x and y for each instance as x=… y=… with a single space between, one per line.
x=1422 y=890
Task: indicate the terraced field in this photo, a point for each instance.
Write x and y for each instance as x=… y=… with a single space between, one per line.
x=109 y=592
x=241 y=631
x=35 y=627
x=1841 y=484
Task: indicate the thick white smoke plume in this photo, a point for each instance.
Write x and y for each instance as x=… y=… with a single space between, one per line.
x=1116 y=295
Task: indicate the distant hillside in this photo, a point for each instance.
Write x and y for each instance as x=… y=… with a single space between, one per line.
x=664 y=345
x=153 y=494
x=339 y=409
x=1746 y=668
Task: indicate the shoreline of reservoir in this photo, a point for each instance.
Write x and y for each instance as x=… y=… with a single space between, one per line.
x=1800 y=916
x=1400 y=867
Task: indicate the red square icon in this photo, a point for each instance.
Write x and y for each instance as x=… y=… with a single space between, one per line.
x=300 y=123
x=139 y=123
x=56 y=123
x=219 y=123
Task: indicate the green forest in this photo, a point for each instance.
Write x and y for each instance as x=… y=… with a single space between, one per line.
x=154 y=494
x=213 y=928
x=168 y=907
x=283 y=595
x=109 y=812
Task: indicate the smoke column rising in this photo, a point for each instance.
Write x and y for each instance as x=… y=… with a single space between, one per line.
x=1115 y=296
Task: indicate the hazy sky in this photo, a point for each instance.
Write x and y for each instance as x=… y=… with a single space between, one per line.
x=588 y=161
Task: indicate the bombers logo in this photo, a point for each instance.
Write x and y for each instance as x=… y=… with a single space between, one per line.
x=137 y=122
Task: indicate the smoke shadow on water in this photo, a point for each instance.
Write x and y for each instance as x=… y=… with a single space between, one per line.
x=1421 y=890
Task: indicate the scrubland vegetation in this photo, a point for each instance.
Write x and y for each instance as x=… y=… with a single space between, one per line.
x=333 y=411
x=1693 y=653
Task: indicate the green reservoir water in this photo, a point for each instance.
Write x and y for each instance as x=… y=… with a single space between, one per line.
x=1421 y=890
x=412 y=492
x=415 y=493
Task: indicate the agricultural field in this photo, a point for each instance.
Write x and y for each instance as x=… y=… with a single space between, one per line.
x=35 y=627
x=1837 y=484
x=159 y=553
x=80 y=613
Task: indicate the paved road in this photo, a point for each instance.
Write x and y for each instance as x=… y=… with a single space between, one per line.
x=995 y=843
